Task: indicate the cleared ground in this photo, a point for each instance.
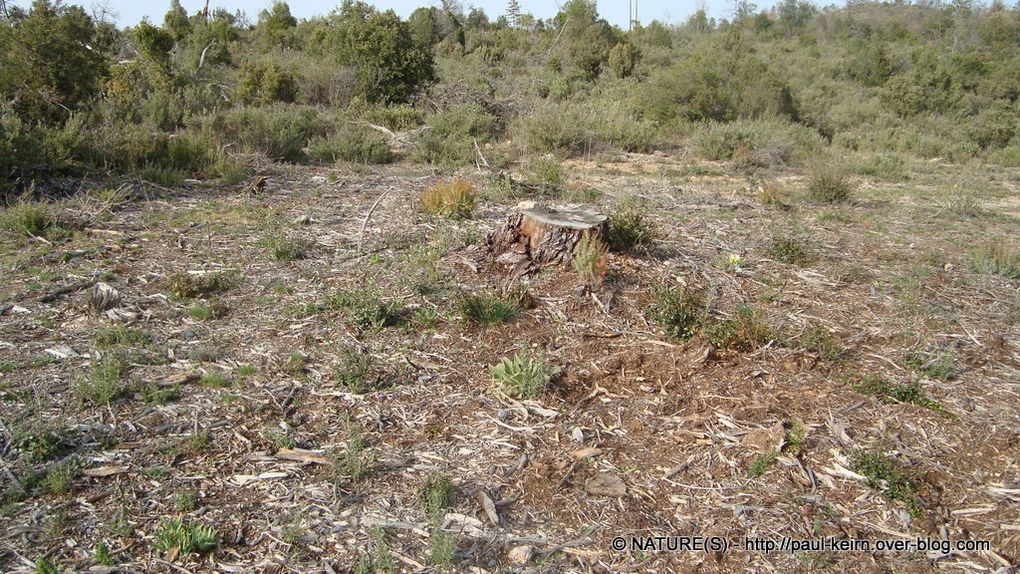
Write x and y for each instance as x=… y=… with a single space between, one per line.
x=883 y=404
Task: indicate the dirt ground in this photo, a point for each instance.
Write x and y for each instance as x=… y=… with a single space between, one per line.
x=639 y=436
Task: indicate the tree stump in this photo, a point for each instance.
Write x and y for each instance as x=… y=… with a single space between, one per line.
x=538 y=236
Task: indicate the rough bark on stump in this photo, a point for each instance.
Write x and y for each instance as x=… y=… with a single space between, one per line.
x=542 y=235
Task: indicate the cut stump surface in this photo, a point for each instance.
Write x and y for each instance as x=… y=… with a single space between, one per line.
x=540 y=235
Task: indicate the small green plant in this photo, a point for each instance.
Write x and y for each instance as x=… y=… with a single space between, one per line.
x=746 y=329
x=194 y=443
x=59 y=478
x=296 y=364
x=284 y=249
x=363 y=308
x=996 y=260
x=213 y=309
x=795 y=435
x=280 y=438
x=680 y=312
x=591 y=259
x=119 y=336
x=189 y=286
x=823 y=343
x=44 y=566
x=215 y=379
x=102 y=555
x=830 y=185
x=185 y=500
x=941 y=365
x=245 y=371
x=630 y=230
x=379 y=559
x=525 y=375
x=442 y=546
x=353 y=372
x=885 y=476
x=38 y=442
x=434 y=495
x=357 y=459
x=890 y=392
x=454 y=198
x=786 y=249
x=488 y=309
x=104 y=383
x=185 y=538
x=761 y=463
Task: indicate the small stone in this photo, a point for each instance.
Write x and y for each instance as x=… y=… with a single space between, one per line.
x=949 y=267
x=578 y=435
x=521 y=554
x=606 y=484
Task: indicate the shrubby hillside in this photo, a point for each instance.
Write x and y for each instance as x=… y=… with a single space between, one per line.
x=868 y=86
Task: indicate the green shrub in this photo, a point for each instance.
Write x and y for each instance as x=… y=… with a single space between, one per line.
x=105 y=382
x=829 y=184
x=264 y=82
x=31 y=219
x=279 y=131
x=390 y=67
x=574 y=128
x=706 y=85
x=449 y=140
x=488 y=309
x=768 y=142
x=434 y=495
x=623 y=58
x=788 y=249
x=524 y=376
x=355 y=144
x=630 y=230
x=353 y=372
x=680 y=312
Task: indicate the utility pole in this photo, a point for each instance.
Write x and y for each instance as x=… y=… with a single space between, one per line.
x=632 y=14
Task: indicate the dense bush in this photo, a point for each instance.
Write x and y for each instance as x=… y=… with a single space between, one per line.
x=279 y=131
x=48 y=67
x=450 y=136
x=264 y=82
x=390 y=66
x=350 y=143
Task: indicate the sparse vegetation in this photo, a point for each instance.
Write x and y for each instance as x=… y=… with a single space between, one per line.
x=761 y=463
x=105 y=381
x=997 y=260
x=525 y=375
x=357 y=459
x=679 y=311
x=788 y=249
x=885 y=476
x=745 y=329
x=353 y=372
x=890 y=392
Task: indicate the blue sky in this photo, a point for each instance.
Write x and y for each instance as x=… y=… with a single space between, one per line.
x=131 y=11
